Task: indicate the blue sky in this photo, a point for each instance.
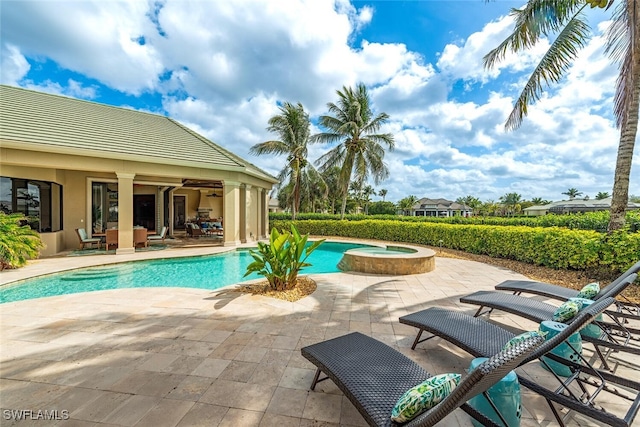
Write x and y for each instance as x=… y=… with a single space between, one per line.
x=223 y=67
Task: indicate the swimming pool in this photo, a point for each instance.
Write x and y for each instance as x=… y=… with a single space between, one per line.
x=204 y=272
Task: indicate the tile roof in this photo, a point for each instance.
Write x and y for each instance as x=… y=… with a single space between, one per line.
x=68 y=125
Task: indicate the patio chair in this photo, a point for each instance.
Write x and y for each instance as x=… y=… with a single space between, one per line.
x=111 y=237
x=194 y=230
x=615 y=336
x=85 y=240
x=158 y=237
x=481 y=338
x=140 y=237
x=624 y=309
x=373 y=376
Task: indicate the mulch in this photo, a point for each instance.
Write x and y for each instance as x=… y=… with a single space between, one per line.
x=568 y=278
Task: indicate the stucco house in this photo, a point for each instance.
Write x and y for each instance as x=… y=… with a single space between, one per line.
x=574 y=206
x=68 y=164
x=440 y=208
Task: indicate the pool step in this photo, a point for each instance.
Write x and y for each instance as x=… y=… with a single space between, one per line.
x=95 y=273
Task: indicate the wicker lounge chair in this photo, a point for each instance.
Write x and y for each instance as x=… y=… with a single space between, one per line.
x=481 y=338
x=373 y=376
x=615 y=336
x=623 y=309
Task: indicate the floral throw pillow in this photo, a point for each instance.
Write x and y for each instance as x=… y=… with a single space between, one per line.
x=523 y=337
x=566 y=311
x=589 y=291
x=424 y=396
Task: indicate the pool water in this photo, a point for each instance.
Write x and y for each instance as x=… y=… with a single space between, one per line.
x=204 y=272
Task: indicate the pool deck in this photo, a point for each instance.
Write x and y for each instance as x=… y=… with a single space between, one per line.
x=189 y=357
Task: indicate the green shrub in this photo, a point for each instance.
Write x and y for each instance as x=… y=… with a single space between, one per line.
x=596 y=221
x=18 y=242
x=549 y=246
x=280 y=260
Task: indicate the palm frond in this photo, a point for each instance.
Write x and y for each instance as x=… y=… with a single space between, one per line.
x=551 y=67
x=331 y=158
x=269 y=147
x=622 y=43
x=537 y=18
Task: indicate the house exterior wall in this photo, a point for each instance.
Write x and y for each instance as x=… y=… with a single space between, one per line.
x=75 y=173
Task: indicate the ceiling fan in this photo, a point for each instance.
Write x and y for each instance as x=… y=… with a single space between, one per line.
x=214 y=194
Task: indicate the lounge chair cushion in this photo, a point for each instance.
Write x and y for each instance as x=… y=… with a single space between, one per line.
x=566 y=311
x=424 y=396
x=523 y=337
x=589 y=291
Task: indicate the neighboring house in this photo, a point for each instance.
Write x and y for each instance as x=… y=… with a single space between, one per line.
x=574 y=206
x=274 y=205
x=440 y=208
x=68 y=163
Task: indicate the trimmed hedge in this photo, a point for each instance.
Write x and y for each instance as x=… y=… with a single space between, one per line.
x=597 y=221
x=549 y=246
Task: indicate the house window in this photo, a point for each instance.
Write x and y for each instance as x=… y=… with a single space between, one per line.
x=104 y=206
x=39 y=201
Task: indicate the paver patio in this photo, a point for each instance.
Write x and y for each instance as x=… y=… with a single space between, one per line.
x=190 y=357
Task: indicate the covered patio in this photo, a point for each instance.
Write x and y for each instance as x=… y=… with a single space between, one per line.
x=70 y=164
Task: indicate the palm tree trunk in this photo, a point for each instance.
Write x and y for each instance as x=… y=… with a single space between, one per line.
x=628 y=132
x=296 y=198
x=344 y=205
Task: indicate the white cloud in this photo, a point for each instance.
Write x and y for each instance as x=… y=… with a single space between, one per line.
x=14 y=65
x=222 y=67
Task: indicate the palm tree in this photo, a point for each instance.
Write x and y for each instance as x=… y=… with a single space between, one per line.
x=331 y=177
x=511 y=201
x=538 y=201
x=382 y=193
x=366 y=194
x=292 y=126
x=602 y=195
x=563 y=17
x=473 y=202
x=573 y=193
x=407 y=203
x=360 y=148
x=315 y=190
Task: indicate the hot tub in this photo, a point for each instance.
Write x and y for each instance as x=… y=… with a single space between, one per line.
x=390 y=260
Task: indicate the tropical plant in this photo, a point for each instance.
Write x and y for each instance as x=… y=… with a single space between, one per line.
x=572 y=193
x=18 y=242
x=564 y=19
x=292 y=126
x=280 y=260
x=602 y=195
x=360 y=150
x=406 y=204
x=382 y=193
x=367 y=192
x=331 y=177
x=314 y=191
x=382 y=208
x=539 y=201
x=473 y=202
x=511 y=201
